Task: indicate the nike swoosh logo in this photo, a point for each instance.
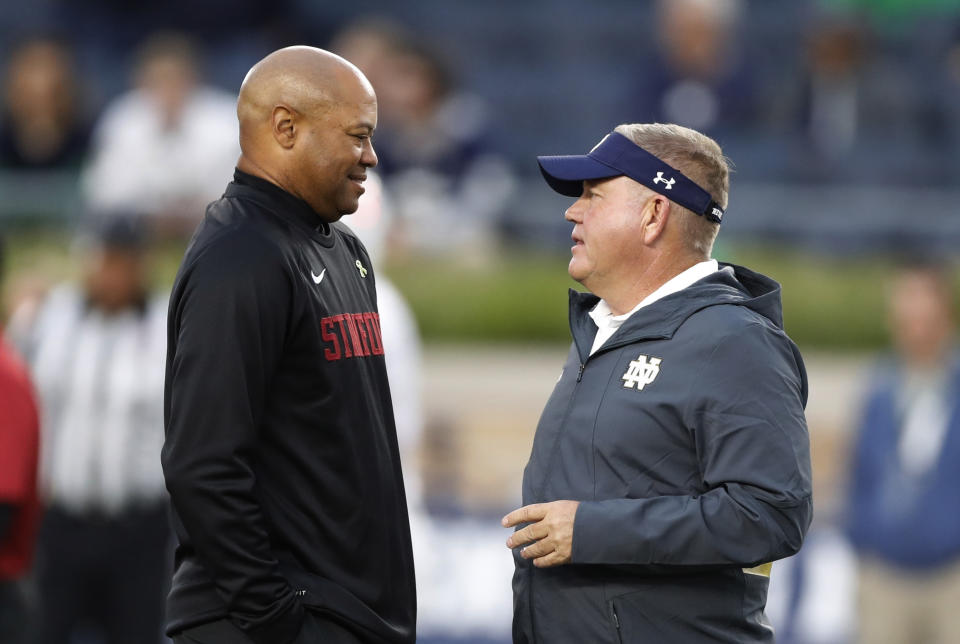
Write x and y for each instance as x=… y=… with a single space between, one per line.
x=318 y=278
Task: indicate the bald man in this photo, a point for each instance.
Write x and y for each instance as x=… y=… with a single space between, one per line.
x=281 y=453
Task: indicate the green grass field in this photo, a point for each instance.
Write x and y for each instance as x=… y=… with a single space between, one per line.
x=521 y=297
x=828 y=303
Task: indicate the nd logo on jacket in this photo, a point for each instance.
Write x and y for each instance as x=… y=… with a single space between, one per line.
x=641 y=372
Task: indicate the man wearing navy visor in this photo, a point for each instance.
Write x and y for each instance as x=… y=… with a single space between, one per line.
x=671 y=464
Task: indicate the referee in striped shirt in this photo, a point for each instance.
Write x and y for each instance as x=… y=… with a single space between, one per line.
x=96 y=351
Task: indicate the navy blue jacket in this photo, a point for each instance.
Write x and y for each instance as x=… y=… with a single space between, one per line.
x=909 y=521
x=685 y=441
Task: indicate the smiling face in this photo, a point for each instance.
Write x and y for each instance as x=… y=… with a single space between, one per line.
x=334 y=150
x=607 y=233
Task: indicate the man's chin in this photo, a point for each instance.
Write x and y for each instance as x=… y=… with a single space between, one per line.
x=349 y=207
x=575 y=273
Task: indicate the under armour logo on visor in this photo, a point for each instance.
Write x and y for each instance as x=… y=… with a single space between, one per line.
x=659 y=179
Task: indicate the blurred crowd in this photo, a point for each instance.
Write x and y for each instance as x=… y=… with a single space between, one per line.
x=811 y=93
x=165 y=147
x=118 y=122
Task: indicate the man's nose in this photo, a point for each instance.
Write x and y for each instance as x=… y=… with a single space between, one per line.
x=368 y=158
x=575 y=212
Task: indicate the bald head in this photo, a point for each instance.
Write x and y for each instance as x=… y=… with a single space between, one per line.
x=306 y=117
x=302 y=78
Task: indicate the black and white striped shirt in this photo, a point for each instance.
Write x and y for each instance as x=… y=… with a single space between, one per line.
x=100 y=381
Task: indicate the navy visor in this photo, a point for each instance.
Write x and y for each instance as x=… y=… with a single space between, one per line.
x=617 y=155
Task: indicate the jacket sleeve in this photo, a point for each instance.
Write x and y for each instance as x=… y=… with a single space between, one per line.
x=228 y=321
x=745 y=416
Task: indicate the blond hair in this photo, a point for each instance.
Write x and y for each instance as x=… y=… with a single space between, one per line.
x=700 y=159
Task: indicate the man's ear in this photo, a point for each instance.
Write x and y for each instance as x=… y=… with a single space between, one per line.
x=655 y=216
x=284 y=126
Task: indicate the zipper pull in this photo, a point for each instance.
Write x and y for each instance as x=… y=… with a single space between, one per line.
x=616 y=620
x=580 y=373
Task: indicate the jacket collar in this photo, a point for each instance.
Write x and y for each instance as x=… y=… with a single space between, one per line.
x=281 y=203
x=732 y=284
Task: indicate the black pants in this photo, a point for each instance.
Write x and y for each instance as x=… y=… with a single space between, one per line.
x=14 y=619
x=317 y=629
x=108 y=573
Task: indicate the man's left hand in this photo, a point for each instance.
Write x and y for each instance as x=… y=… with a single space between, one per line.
x=550 y=532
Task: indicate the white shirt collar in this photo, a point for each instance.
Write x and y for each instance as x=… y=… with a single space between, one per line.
x=607 y=323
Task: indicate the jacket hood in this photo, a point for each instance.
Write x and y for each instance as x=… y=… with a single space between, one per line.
x=731 y=284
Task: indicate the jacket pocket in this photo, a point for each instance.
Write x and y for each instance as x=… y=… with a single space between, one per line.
x=634 y=626
x=688 y=609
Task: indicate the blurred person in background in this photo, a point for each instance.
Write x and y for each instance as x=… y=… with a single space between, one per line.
x=96 y=353
x=854 y=109
x=457 y=600
x=163 y=147
x=447 y=185
x=19 y=499
x=700 y=77
x=42 y=124
x=671 y=465
x=371 y=42
x=904 y=495
x=832 y=101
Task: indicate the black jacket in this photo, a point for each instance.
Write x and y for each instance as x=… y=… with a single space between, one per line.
x=281 y=454
x=685 y=441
